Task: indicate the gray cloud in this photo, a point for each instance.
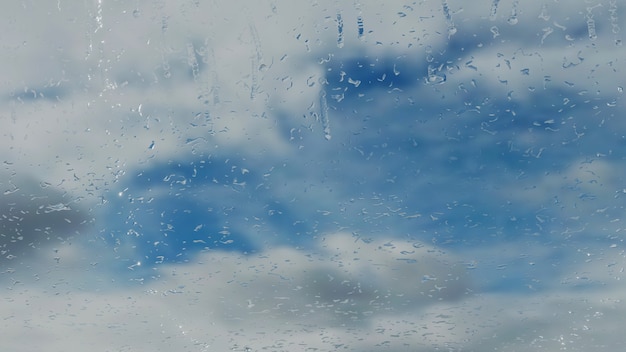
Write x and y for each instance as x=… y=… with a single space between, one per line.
x=516 y=153
x=35 y=215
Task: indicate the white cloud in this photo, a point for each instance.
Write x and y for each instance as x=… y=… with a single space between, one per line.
x=104 y=90
x=343 y=286
x=263 y=59
x=372 y=295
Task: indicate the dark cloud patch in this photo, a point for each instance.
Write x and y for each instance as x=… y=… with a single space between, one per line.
x=35 y=215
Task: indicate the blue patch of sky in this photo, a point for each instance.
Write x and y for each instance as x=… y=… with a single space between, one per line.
x=172 y=211
x=396 y=152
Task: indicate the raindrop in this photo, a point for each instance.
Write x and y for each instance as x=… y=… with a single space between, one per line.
x=495 y=31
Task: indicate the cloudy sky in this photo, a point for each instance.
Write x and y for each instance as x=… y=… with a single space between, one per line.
x=312 y=175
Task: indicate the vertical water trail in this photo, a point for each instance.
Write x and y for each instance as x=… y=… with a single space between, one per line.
x=165 y=64
x=512 y=20
x=206 y=83
x=615 y=28
x=591 y=24
x=446 y=13
x=96 y=36
x=256 y=62
x=99 y=16
x=494 y=10
x=359 y=20
x=212 y=87
x=359 y=23
x=324 y=115
x=192 y=61
x=201 y=85
x=339 y=31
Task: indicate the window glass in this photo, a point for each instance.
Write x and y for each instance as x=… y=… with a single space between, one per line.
x=282 y=175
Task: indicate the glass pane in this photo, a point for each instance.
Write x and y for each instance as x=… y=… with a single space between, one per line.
x=280 y=175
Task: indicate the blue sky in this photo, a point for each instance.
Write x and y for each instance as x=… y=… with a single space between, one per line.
x=401 y=158
x=284 y=173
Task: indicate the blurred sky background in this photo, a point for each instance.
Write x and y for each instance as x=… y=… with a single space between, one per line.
x=312 y=175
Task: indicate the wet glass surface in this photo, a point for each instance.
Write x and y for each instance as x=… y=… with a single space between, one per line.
x=314 y=176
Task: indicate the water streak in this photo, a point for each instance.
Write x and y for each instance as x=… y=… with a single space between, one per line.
x=208 y=58
x=544 y=15
x=446 y=13
x=192 y=61
x=339 y=31
x=591 y=25
x=615 y=28
x=324 y=115
x=494 y=10
x=256 y=62
x=512 y=20
x=359 y=23
x=359 y=20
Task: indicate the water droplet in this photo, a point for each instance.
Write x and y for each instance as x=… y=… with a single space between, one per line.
x=136 y=13
x=435 y=76
x=495 y=31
